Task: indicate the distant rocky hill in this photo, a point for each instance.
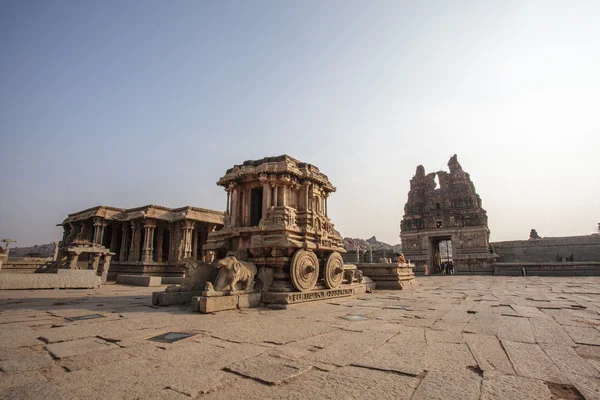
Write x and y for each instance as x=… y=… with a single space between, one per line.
x=350 y=245
x=42 y=251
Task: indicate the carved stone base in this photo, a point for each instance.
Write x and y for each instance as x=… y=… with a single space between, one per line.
x=390 y=276
x=209 y=304
x=315 y=295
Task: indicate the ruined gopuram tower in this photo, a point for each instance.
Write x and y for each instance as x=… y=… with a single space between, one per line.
x=451 y=212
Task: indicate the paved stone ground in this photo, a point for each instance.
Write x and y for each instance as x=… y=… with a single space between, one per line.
x=455 y=337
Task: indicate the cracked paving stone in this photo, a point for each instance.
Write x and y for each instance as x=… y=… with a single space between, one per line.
x=404 y=357
x=515 y=329
x=583 y=335
x=449 y=385
x=509 y=387
x=78 y=347
x=568 y=361
x=269 y=369
x=530 y=361
x=489 y=353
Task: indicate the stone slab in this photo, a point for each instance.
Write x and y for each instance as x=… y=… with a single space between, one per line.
x=489 y=354
x=171 y=280
x=139 y=280
x=449 y=385
x=78 y=347
x=68 y=280
x=269 y=369
x=506 y=387
x=531 y=361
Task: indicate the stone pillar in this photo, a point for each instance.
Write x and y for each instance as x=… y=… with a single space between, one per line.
x=187 y=228
x=371 y=255
x=99 y=226
x=134 y=248
x=276 y=196
x=113 y=238
x=96 y=261
x=195 y=233
x=148 y=252
x=159 y=243
x=265 y=199
x=284 y=196
x=234 y=207
x=227 y=210
x=325 y=202
x=73 y=260
x=357 y=255
x=105 y=267
x=124 y=241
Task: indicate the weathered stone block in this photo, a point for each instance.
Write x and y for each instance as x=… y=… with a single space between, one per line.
x=139 y=280
x=249 y=300
x=220 y=303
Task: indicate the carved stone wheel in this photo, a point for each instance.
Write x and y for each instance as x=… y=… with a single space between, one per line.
x=304 y=270
x=334 y=270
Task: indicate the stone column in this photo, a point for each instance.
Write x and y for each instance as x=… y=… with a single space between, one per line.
x=159 y=243
x=234 y=207
x=135 y=242
x=96 y=261
x=99 y=226
x=124 y=241
x=284 y=197
x=105 y=267
x=357 y=255
x=371 y=255
x=73 y=260
x=148 y=251
x=265 y=199
x=273 y=196
x=195 y=234
x=113 y=238
x=227 y=210
x=187 y=228
x=325 y=202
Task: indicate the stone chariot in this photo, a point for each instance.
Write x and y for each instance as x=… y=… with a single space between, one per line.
x=276 y=218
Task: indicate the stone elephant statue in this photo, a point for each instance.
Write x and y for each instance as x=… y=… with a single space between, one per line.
x=233 y=275
x=196 y=275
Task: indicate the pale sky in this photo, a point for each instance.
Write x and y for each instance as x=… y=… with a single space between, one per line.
x=150 y=102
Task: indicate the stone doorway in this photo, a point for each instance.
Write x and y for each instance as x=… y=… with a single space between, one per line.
x=441 y=251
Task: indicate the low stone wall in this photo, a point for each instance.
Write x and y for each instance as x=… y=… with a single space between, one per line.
x=63 y=279
x=548 y=269
x=140 y=280
x=142 y=269
x=464 y=269
x=23 y=265
x=554 y=249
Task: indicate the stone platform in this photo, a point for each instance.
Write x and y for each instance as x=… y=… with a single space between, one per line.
x=453 y=337
x=140 y=280
x=63 y=279
x=390 y=276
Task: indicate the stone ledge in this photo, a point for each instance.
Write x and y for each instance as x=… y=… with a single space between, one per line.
x=64 y=280
x=139 y=280
x=149 y=281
